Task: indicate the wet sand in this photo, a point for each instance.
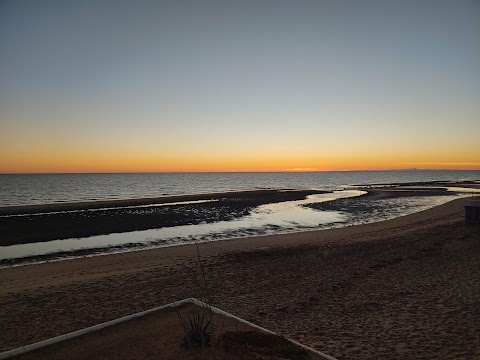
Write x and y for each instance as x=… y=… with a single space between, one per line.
x=260 y=195
x=407 y=288
x=61 y=221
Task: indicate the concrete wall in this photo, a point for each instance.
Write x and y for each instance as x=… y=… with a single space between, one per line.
x=38 y=345
x=472 y=211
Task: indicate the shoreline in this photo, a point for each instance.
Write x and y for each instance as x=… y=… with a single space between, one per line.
x=73 y=226
x=383 y=264
x=126 y=248
x=68 y=226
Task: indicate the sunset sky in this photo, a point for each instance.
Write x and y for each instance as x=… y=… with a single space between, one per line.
x=247 y=85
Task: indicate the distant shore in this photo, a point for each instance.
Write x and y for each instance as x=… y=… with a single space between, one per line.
x=402 y=288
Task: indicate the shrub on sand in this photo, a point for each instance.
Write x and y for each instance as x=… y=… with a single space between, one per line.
x=197 y=330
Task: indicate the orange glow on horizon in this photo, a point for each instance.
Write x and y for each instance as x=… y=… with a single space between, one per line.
x=133 y=163
x=74 y=156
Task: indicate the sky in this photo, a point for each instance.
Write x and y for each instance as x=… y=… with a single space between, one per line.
x=246 y=85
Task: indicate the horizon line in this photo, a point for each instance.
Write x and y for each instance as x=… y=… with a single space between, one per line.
x=226 y=171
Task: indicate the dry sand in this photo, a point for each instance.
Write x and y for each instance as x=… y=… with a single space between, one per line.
x=407 y=288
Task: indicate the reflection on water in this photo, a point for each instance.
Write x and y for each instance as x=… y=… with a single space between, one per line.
x=266 y=219
x=471 y=190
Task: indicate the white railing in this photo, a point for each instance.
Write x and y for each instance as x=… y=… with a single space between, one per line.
x=57 y=339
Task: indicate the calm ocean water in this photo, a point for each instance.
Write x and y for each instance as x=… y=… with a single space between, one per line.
x=26 y=189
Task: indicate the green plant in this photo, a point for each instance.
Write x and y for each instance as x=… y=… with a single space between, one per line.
x=197 y=330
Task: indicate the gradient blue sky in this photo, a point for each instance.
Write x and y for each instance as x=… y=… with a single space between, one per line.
x=238 y=85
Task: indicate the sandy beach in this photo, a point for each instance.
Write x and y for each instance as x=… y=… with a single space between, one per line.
x=407 y=288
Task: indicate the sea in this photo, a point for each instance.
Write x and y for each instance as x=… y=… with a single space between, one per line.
x=267 y=219
x=29 y=189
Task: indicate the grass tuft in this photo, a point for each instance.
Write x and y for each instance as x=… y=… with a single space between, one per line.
x=197 y=331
